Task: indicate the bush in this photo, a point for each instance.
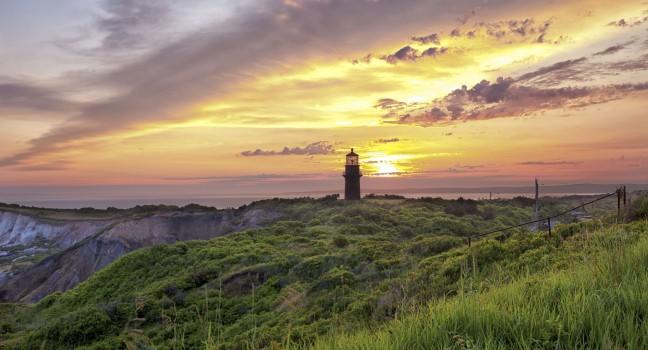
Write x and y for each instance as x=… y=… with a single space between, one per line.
x=488 y=212
x=639 y=208
x=335 y=277
x=77 y=328
x=462 y=207
x=340 y=242
x=433 y=245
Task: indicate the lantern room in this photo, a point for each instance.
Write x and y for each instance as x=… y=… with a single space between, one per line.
x=352 y=158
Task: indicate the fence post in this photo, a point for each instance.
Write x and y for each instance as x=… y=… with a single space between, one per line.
x=549 y=225
x=625 y=205
x=468 y=241
x=618 y=192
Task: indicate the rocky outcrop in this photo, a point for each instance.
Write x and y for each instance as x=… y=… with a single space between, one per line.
x=89 y=246
x=25 y=230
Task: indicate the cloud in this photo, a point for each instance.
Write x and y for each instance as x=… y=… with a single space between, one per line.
x=51 y=166
x=533 y=92
x=315 y=148
x=631 y=22
x=130 y=23
x=434 y=51
x=23 y=96
x=248 y=178
x=433 y=38
x=389 y=140
x=525 y=30
x=389 y=103
x=514 y=30
x=611 y=50
x=546 y=72
x=406 y=53
x=167 y=83
x=505 y=98
x=541 y=163
x=629 y=65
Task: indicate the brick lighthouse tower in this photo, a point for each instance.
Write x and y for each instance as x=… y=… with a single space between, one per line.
x=352 y=177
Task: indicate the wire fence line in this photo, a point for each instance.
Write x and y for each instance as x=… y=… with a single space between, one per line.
x=620 y=193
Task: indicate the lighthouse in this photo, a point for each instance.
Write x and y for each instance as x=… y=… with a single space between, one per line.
x=352 y=177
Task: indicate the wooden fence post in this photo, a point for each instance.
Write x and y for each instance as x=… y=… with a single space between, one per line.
x=618 y=192
x=549 y=226
x=468 y=241
x=625 y=205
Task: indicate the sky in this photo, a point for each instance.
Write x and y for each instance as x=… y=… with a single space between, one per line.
x=155 y=98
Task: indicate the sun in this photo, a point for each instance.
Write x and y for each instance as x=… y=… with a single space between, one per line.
x=385 y=165
x=386 y=168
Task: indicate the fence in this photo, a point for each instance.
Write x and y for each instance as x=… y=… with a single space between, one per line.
x=621 y=198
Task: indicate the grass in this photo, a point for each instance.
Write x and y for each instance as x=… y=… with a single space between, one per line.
x=599 y=303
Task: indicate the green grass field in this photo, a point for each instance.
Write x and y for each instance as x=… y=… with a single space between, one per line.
x=600 y=302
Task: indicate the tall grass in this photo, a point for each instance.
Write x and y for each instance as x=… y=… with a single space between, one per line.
x=599 y=303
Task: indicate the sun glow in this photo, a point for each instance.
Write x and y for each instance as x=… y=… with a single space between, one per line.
x=388 y=165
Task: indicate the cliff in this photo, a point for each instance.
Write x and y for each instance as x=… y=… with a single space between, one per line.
x=39 y=256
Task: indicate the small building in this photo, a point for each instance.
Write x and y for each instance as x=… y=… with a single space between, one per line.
x=352 y=176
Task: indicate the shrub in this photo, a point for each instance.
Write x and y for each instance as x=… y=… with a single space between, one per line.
x=488 y=212
x=77 y=328
x=433 y=245
x=340 y=242
x=335 y=277
x=311 y=268
x=462 y=207
x=639 y=208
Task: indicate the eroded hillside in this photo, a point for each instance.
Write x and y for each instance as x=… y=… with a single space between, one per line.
x=43 y=251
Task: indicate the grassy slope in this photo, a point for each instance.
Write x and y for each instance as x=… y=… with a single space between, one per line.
x=335 y=267
x=598 y=303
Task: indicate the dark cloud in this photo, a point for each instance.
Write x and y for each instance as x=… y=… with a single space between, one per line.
x=559 y=162
x=505 y=98
x=514 y=30
x=546 y=71
x=389 y=103
x=406 y=53
x=631 y=22
x=389 y=140
x=409 y=54
x=23 y=96
x=510 y=31
x=638 y=64
x=433 y=38
x=434 y=51
x=610 y=50
x=585 y=69
x=366 y=59
x=315 y=148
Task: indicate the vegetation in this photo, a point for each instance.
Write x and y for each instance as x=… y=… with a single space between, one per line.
x=335 y=267
x=600 y=303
